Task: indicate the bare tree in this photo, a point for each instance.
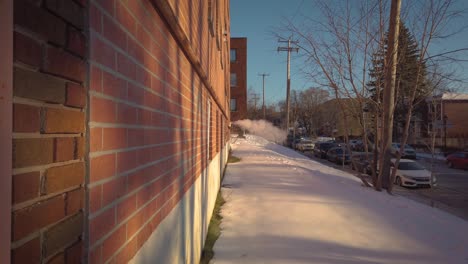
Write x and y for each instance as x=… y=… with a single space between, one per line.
x=339 y=48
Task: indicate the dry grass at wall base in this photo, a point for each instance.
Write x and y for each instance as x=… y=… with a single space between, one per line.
x=214 y=231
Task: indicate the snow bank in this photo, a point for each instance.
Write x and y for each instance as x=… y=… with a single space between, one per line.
x=285 y=208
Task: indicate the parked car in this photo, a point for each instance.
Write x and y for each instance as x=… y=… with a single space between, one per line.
x=356 y=144
x=361 y=162
x=408 y=151
x=295 y=142
x=338 y=155
x=458 y=160
x=321 y=149
x=305 y=145
x=412 y=174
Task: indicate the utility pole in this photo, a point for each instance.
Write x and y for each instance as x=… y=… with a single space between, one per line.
x=263 y=105
x=288 y=74
x=389 y=94
x=255 y=99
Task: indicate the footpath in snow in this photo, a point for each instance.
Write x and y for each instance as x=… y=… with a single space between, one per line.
x=282 y=207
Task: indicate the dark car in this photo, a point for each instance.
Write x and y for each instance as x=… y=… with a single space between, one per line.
x=322 y=148
x=458 y=160
x=362 y=162
x=338 y=155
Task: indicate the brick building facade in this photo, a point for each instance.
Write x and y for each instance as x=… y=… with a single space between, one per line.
x=238 y=78
x=120 y=128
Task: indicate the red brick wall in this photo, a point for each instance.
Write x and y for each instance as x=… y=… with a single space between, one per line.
x=456 y=112
x=148 y=126
x=48 y=131
x=239 y=66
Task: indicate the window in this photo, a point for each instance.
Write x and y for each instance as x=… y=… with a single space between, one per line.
x=233 y=55
x=233 y=104
x=233 y=79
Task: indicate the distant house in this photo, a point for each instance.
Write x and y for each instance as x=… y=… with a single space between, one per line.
x=238 y=79
x=447 y=114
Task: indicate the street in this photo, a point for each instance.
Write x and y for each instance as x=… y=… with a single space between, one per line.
x=450 y=194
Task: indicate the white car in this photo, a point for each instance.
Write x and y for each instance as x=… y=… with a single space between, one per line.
x=412 y=174
x=305 y=145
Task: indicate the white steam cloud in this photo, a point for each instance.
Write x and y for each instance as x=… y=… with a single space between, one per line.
x=263 y=129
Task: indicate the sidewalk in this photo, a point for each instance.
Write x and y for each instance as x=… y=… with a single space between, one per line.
x=282 y=207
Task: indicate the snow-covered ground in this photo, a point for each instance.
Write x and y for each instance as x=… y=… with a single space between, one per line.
x=285 y=208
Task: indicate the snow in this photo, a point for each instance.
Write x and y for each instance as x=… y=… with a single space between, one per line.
x=282 y=207
x=454 y=96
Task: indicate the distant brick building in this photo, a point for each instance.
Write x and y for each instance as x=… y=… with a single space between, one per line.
x=238 y=79
x=448 y=114
x=114 y=128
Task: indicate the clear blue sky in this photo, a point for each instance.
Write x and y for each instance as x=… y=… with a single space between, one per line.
x=257 y=19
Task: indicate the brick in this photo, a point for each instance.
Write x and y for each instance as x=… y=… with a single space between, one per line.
x=74 y=201
x=114 y=33
x=30 y=252
x=126 y=207
x=64 y=149
x=27 y=50
x=95 y=18
x=73 y=253
x=125 y=19
x=127 y=161
x=95 y=139
x=127 y=253
x=126 y=67
x=135 y=94
x=44 y=213
x=95 y=255
x=76 y=42
x=57 y=259
x=62 y=234
x=113 y=190
x=64 y=64
x=38 y=86
x=79 y=147
x=108 y=6
x=63 y=177
x=135 y=223
x=135 y=137
x=126 y=114
x=40 y=21
x=32 y=151
x=114 y=138
x=103 y=110
x=76 y=95
x=26 y=186
x=102 y=52
x=143 y=235
x=63 y=121
x=101 y=225
x=95 y=198
x=114 y=86
x=67 y=10
x=102 y=167
x=95 y=83
x=143 y=77
x=113 y=242
x=26 y=118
